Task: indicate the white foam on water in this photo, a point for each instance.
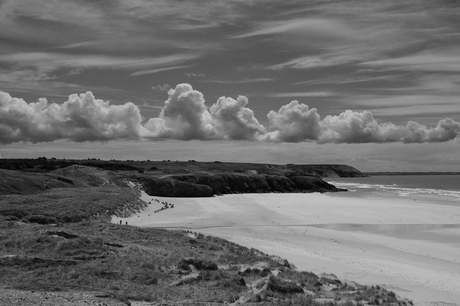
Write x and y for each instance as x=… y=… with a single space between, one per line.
x=393 y=189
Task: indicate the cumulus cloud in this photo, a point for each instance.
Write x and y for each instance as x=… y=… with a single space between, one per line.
x=80 y=118
x=361 y=127
x=235 y=121
x=185 y=116
x=294 y=122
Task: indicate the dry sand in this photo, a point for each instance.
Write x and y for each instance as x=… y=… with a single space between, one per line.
x=410 y=247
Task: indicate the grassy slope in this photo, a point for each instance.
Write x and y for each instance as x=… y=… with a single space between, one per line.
x=157 y=265
x=128 y=263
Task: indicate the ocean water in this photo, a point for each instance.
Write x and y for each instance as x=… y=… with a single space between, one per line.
x=433 y=189
x=445 y=188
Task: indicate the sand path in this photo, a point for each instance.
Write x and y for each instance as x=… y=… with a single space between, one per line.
x=410 y=247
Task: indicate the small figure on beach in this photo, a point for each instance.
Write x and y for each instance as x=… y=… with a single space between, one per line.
x=126 y=222
x=120 y=222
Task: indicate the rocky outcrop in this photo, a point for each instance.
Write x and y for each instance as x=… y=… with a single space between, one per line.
x=170 y=187
x=207 y=185
x=279 y=183
x=324 y=170
x=228 y=182
x=313 y=184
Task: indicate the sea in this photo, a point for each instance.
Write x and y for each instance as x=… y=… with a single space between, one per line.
x=442 y=187
x=435 y=189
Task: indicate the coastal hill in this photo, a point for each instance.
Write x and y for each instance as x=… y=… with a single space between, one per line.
x=175 y=178
x=58 y=247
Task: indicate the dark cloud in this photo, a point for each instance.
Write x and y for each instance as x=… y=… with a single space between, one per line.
x=185 y=116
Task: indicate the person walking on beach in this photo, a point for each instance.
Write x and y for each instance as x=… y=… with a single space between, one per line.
x=120 y=222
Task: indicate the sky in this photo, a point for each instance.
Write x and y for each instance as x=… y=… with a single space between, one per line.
x=372 y=84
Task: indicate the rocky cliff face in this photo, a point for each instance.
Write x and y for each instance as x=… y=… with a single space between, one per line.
x=170 y=187
x=325 y=170
x=207 y=185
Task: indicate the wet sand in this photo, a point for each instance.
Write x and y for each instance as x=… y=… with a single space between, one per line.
x=410 y=247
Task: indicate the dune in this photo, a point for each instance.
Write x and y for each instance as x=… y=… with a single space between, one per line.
x=410 y=247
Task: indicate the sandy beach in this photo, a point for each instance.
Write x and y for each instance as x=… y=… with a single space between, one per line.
x=410 y=247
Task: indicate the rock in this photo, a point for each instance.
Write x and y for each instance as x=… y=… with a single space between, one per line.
x=227 y=183
x=239 y=281
x=62 y=234
x=277 y=285
x=209 y=184
x=170 y=187
x=313 y=184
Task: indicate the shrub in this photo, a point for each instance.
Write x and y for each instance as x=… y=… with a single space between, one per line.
x=81 y=246
x=41 y=219
x=13 y=212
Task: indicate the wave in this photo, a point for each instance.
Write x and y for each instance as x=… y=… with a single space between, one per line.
x=394 y=189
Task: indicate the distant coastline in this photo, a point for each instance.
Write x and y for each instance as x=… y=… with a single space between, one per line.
x=409 y=173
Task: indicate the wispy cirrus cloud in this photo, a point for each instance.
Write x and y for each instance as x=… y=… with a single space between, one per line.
x=300 y=26
x=359 y=50
x=153 y=71
x=242 y=81
x=433 y=60
x=194 y=75
x=53 y=61
x=307 y=62
x=161 y=87
x=314 y=94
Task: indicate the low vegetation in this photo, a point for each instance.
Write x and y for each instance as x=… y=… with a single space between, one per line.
x=59 y=239
x=173 y=267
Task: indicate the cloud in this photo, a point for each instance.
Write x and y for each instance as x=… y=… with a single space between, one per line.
x=429 y=61
x=321 y=26
x=76 y=71
x=235 y=121
x=152 y=71
x=194 y=75
x=81 y=118
x=315 y=94
x=293 y=122
x=184 y=116
x=307 y=62
x=361 y=127
x=159 y=87
x=46 y=62
x=242 y=81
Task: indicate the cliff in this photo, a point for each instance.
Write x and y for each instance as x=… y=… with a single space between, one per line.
x=169 y=178
x=207 y=185
x=170 y=187
x=325 y=170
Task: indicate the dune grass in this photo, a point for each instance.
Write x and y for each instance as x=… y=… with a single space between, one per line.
x=131 y=263
x=59 y=238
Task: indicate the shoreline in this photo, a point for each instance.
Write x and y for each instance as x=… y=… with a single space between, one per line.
x=406 y=246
